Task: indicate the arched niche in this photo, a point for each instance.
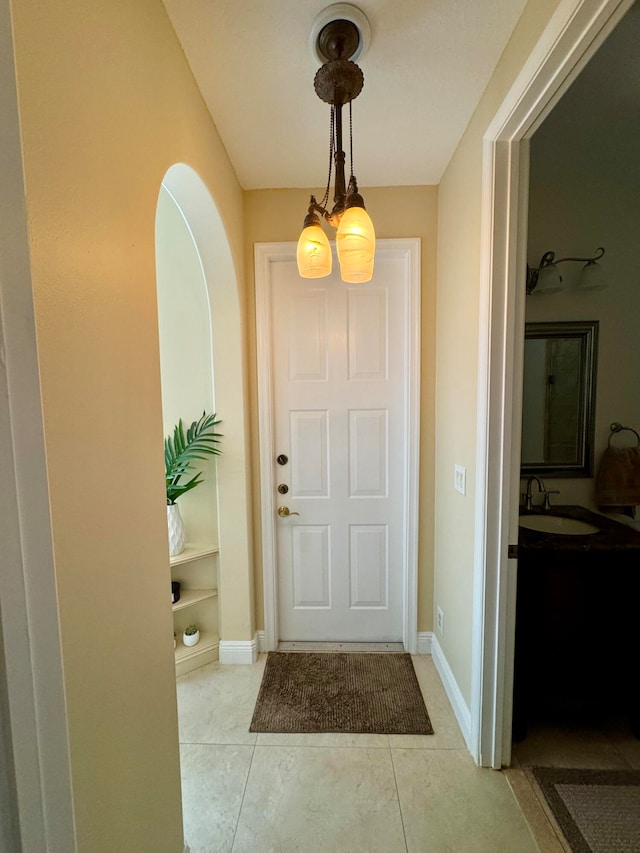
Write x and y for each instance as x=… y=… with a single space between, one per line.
x=195 y=204
x=186 y=355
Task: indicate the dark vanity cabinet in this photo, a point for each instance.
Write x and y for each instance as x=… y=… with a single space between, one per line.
x=577 y=651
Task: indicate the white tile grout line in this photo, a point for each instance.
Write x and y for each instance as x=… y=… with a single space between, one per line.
x=215 y=743
x=461 y=749
x=244 y=791
x=319 y=746
x=395 y=779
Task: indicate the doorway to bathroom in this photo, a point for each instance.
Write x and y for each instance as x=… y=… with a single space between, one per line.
x=583 y=189
x=569 y=42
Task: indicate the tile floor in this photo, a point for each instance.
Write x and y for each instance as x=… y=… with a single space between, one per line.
x=609 y=745
x=256 y=793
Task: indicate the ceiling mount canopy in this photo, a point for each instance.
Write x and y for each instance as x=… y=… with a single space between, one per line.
x=338 y=82
x=338 y=40
x=338 y=37
x=345 y=13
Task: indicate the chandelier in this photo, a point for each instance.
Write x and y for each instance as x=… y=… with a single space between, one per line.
x=338 y=82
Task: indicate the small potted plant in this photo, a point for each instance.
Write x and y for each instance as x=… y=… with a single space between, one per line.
x=179 y=452
x=191 y=635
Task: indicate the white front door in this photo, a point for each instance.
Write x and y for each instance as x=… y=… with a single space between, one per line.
x=340 y=437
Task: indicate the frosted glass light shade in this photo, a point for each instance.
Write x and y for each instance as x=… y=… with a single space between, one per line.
x=549 y=280
x=313 y=253
x=592 y=277
x=357 y=274
x=356 y=245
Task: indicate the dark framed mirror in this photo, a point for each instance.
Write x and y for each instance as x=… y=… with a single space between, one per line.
x=558 y=408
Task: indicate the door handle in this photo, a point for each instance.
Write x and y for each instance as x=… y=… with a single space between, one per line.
x=285 y=512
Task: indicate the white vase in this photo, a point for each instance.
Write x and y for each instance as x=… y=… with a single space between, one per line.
x=176 y=530
x=191 y=639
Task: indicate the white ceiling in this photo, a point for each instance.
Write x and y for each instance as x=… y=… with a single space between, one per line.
x=425 y=69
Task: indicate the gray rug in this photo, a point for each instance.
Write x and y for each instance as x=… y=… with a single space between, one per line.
x=597 y=810
x=341 y=692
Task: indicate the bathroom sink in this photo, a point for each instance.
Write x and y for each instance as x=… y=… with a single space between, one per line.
x=557 y=524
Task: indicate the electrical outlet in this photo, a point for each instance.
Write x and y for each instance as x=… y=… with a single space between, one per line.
x=460 y=479
x=440 y=620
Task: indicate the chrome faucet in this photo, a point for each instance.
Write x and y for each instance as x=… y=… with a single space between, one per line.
x=528 y=497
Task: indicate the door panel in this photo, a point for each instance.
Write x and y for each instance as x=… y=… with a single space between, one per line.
x=369 y=565
x=310 y=566
x=368 y=453
x=308 y=431
x=339 y=414
x=367 y=330
x=308 y=344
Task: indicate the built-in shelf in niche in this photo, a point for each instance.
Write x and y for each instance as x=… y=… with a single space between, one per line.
x=196 y=569
x=193 y=596
x=193 y=552
x=194 y=655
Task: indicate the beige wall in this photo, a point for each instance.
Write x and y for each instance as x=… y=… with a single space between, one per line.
x=459 y=223
x=276 y=216
x=107 y=104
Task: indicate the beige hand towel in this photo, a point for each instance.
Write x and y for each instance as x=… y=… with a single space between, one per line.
x=618 y=481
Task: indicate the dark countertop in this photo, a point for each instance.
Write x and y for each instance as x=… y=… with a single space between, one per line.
x=612 y=535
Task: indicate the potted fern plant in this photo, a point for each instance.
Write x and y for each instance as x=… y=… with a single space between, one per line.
x=180 y=451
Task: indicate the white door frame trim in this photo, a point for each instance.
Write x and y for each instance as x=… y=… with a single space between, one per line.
x=33 y=713
x=572 y=36
x=265 y=255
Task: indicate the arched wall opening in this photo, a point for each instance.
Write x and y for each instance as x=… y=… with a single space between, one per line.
x=186 y=356
x=218 y=351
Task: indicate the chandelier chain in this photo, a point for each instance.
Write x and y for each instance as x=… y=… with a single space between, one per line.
x=350 y=141
x=325 y=199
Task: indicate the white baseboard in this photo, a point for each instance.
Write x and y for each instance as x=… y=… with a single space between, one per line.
x=425 y=641
x=238 y=651
x=460 y=707
x=260 y=639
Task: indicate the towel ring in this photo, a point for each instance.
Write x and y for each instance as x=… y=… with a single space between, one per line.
x=616 y=427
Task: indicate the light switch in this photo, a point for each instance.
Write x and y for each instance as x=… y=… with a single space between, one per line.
x=460 y=479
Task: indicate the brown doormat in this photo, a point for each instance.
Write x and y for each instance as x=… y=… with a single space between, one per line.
x=341 y=692
x=597 y=810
